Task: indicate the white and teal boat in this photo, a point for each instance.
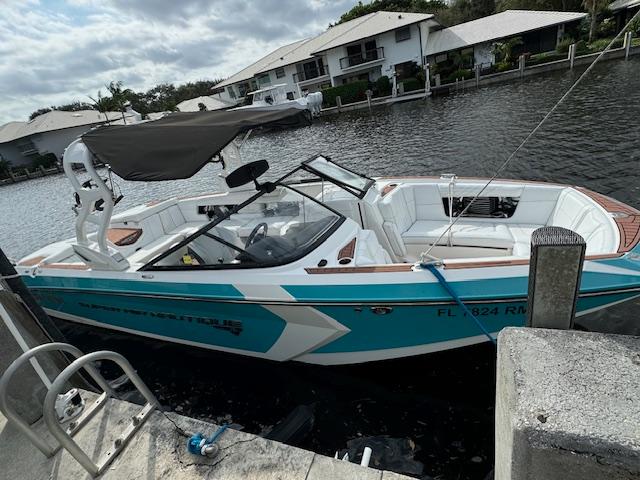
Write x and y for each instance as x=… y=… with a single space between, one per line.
x=320 y=266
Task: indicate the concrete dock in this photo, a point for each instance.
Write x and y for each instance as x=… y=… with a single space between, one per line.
x=567 y=405
x=158 y=450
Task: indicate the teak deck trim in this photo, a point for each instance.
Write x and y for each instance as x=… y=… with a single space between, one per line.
x=628 y=221
x=124 y=236
x=346 y=253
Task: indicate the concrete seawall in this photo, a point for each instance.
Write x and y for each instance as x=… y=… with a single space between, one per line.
x=567 y=405
x=158 y=450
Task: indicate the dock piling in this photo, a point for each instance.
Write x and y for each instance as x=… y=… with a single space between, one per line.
x=557 y=256
x=627 y=44
x=572 y=55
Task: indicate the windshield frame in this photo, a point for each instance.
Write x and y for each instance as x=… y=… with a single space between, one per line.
x=150 y=266
x=355 y=191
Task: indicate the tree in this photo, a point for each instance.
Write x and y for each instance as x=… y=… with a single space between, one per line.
x=102 y=104
x=40 y=111
x=504 y=50
x=416 y=6
x=594 y=7
x=119 y=97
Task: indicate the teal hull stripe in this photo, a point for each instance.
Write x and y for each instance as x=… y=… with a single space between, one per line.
x=253 y=328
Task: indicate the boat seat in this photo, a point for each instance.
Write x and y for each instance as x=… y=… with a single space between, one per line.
x=470 y=234
x=146 y=253
x=186 y=228
x=212 y=252
x=577 y=212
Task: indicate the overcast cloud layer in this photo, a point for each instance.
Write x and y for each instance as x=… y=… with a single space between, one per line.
x=57 y=51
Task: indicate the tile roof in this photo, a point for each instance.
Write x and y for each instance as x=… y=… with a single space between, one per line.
x=248 y=72
x=494 y=27
x=368 y=26
x=54 y=120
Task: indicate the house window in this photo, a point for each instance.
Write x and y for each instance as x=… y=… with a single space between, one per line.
x=264 y=79
x=280 y=72
x=290 y=96
x=403 y=34
x=231 y=92
x=441 y=58
x=27 y=148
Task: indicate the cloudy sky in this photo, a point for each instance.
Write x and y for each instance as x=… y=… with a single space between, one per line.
x=57 y=51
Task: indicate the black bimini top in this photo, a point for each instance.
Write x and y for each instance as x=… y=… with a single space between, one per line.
x=180 y=144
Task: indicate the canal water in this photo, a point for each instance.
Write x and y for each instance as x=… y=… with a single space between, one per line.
x=437 y=409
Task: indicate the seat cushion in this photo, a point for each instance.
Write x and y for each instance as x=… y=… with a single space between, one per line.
x=477 y=234
x=153 y=249
x=521 y=234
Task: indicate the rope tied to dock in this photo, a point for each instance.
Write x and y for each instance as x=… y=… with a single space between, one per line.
x=443 y=282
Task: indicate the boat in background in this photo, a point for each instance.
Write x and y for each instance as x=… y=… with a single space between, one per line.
x=323 y=265
x=275 y=98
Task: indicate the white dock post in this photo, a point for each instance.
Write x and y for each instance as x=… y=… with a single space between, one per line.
x=572 y=55
x=555 y=268
x=339 y=102
x=477 y=68
x=427 y=78
x=521 y=64
x=627 y=44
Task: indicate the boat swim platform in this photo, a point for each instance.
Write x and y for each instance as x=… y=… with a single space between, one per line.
x=159 y=451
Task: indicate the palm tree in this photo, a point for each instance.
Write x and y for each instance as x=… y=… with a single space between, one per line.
x=102 y=104
x=116 y=102
x=119 y=97
x=504 y=50
x=594 y=7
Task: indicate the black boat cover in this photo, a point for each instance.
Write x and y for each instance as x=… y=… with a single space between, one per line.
x=180 y=144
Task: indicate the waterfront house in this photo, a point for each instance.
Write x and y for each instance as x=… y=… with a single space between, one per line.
x=50 y=133
x=367 y=47
x=394 y=44
x=471 y=43
x=235 y=88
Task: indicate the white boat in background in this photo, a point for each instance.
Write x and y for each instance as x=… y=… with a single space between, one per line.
x=275 y=98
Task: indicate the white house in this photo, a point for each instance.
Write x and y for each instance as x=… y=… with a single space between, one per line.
x=381 y=43
x=366 y=47
x=50 y=133
x=234 y=88
x=540 y=32
x=392 y=43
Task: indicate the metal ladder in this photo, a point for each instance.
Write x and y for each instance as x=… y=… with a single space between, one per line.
x=64 y=435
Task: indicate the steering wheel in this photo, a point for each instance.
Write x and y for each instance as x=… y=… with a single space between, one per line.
x=253 y=236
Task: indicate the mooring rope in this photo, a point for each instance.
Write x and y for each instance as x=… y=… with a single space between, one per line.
x=426 y=253
x=443 y=282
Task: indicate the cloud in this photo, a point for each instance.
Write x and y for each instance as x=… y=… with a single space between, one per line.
x=57 y=51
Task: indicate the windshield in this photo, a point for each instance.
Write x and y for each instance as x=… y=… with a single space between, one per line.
x=351 y=181
x=274 y=229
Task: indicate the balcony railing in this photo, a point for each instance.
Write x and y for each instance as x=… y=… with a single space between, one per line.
x=362 y=57
x=310 y=74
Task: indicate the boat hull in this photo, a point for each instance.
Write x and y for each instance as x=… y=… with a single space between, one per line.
x=319 y=332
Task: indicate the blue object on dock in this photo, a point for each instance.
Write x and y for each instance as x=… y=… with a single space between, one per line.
x=197 y=443
x=436 y=273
